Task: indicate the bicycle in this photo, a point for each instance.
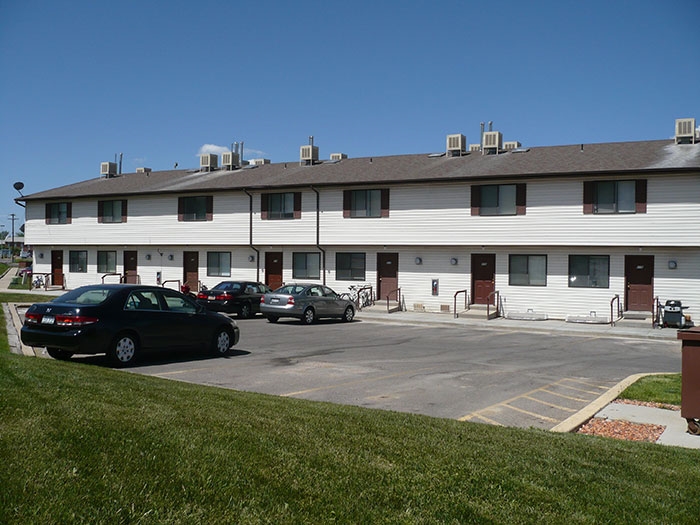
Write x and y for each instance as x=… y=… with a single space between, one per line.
x=38 y=282
x=361 y=295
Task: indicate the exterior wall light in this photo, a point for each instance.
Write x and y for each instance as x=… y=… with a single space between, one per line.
x=148 y=256
x=170 y=257
x=251 y=258
x=41 y=255
x=672 y=265
x=454 y=261
x=418 y=260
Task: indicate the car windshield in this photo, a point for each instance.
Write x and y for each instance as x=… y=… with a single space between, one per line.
x=83 y=296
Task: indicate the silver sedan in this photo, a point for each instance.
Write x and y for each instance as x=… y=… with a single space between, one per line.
x=306 y=302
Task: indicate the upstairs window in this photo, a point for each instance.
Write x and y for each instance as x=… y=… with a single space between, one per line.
x=615 y=196
x=198 y=208
x=527 y=270
x=498 y=199
x=280 y=205
x=589 y=271
x=111 y=211
x=58 y=213
x=366 y=203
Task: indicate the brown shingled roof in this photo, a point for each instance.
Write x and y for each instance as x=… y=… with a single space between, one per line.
x=575 y=160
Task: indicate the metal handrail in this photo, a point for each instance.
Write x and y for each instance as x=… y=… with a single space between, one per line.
x=656 y=313
x=111 y=274
x=398 y=298
x=497 y=294
x=613 y=318
x=466 y=301
x=172 y=281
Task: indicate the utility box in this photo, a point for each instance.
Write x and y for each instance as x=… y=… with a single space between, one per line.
x=690 y=378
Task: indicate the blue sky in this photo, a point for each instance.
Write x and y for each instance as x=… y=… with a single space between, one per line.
x=81 y=81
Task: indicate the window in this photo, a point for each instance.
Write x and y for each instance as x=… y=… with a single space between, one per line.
x=499 y=199
x=106 y=262
x=77 y=261
x=142 y=300
x=306 y=265
x=350 y=266
x=366 y=203
x=280 y=205
x=111 y=211
x=589 y=271
x=527 y=270
x=219 y=264
x=615 y=196
x=58 y=213
x=195 y=208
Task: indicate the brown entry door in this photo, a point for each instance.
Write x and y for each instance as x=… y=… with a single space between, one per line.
x=57 y=267
x=483 y=277
x=131 y=274
x=387 y=276
x=273 y=269
x=639 y=276
x=190 y=271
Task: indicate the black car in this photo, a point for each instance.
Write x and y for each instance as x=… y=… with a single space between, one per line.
x=122 y=320
x=234 y=297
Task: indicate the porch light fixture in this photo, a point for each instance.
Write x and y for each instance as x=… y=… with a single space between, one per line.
x=41 y=255
x=251 y=258
x=170 y=257
x=418 y=260
x=672 y=265
x=148 y=256
x=454 y=261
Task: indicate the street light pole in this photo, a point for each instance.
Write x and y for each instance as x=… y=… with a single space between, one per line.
x=12 y=246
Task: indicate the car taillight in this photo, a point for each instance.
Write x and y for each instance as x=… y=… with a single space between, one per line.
x=262 y=299
x=290 y=300
x=75 y=320
x=32 y=318
x=225 y=296
x=201 y=295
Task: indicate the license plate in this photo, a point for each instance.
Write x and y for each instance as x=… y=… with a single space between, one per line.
x=48 y=319
x=274 y=300
x=212 y=298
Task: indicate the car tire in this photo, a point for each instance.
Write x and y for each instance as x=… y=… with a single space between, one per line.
x=272 y=318
x=59 y=354
x=222 y=342
x=349 y=314
x=246 y=311
x=123 y=350
x=309 y=316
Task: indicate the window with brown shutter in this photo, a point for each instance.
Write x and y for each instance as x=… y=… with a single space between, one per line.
x=615 y=196
x=366 y=203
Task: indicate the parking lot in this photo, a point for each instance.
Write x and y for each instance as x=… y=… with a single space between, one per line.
x=471 y=374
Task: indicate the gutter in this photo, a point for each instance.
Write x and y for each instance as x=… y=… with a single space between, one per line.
x=250 y=234
x=318 y=233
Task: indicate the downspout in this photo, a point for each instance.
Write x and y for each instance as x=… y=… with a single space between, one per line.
x=250 y=234
x=318 y=233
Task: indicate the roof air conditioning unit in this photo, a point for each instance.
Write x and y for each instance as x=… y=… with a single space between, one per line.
x=308 y=154
x=685 y=131
x=229 y=159
x=143 y=170
x=338 y=156
x=108 y=168
x=511 y=144
x=259 y=162
x=474 y=147
x=208 y=161
x=493 y=141
x=456 y=145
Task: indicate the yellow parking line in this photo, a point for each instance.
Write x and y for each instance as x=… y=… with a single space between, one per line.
x=483 y=418
x=350 y=383
x=564 y=396
x=533 y=414
x=546 y=403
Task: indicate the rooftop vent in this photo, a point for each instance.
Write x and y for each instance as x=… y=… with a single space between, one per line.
x=685 y=131
x=338 y=156
x=143 y=170
x=308 y=155
x=456 y=145
x=511 y=144
x=474 y=147
x=229 y=160
x=108 y=169
x=492 y=142
x=259 y=162
x=208 y=161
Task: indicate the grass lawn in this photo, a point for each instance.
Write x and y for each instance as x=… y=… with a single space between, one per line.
x=85 y=444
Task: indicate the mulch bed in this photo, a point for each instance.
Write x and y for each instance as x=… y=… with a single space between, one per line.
x=620 y=429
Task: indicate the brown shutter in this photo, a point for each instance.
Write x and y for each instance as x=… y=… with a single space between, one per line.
x=588 y=193
x=264 y=205
x=210 y=207
x=520 y=199
x=100 y=211
x=47 y=213
x=476 y=199
x=181 y=209
x=640 y=190
x=297 y=205
x=347 y=199
x=69 y=212
x=385 y=202
x=124 y=214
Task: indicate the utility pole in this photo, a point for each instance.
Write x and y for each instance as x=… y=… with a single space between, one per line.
x=12 y=246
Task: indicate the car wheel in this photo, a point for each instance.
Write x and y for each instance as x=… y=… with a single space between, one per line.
x=272 y=318
x=123 y=350
x=59 y=354
x=246 y=311
x=309 y=316
x=349 y=314
x=222 y=342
